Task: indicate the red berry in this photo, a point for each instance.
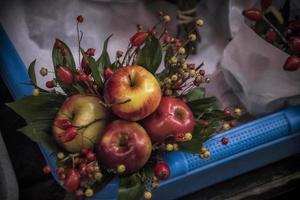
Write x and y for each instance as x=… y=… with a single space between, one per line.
x=72 y=180
x=90 y=156
x=265 y=4
x=70 y=134
x=58 y=44
x=85 y=65
x=63 y=123
x=178 y=44
x=61 y=176
x=79 y=193
x=271 y=36
x=153 y=33
x=46 y=169
x=205 y=124
x=89 y=169
x=295 y=44
x=84 y=150
x=202 y=72
x=84 y=77
x=107 y=73
x=253 y=14
x=90 y=52
x=232 y=123
x=162 y=171
x=79 y=19
x=60 y=170
x=138 y=39
x=226 y=111
x=294 y=25
x=50 y=84
x=167 y=39
x=224 y=141
x=292 y=63
x=64 y=75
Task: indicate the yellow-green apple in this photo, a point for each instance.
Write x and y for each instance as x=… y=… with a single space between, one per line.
x=124 y=144
x=79 y=122
x=133 y=92
x=171 y=121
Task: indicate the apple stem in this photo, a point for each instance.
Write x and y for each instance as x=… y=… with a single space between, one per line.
x=87 y=125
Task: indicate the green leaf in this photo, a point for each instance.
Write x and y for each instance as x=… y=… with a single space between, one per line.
x=150 y=55
x=67 y=60
x=31 y=72
x=36 y=108
x=195 y=144
x=104 y=60
x=94 y=68
x=40 y=132
x=39 y=113
x=203 y=105
x=195 y=94
x=130 y=188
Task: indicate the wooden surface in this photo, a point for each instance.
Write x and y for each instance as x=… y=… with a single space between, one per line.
x=278 y=180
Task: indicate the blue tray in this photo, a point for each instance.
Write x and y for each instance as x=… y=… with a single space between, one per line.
x=250 y=146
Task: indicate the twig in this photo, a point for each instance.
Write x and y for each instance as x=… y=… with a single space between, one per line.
x=276 y=30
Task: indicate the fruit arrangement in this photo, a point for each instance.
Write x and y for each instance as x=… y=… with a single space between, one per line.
x=276 y=27
x=104 y=118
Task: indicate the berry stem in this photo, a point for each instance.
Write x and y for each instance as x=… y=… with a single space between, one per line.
x=275 y=29
x=87 y=125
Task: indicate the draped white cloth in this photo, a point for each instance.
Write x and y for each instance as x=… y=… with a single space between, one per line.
x=33 y=26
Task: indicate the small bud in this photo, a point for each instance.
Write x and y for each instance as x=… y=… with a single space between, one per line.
x=44 y=71
x=192 y=72
x=292 y=63
x=121 y=169
x=188 y=136
x=226 y=126
x=35 y=92
x=98 y=176
x=175 y=147
x=253 y=14
x=181 y=51
x=138 y=39
x=207 y=80
x=60 y=155
x=174 y=77
x=238 y=111
x=88 y=192
x=166 y=18
x=90 y=52
x=167 y=39
x=173 y=60
x=79 y=19
x=169 y=147
x=119 y=54
x=199 y=22
x=192 y=37
x=147 y=195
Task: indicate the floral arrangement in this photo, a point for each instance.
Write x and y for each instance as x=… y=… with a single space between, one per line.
x=278 y=28
x=118 y=117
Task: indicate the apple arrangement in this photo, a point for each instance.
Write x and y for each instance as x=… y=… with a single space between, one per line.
x=116 y=118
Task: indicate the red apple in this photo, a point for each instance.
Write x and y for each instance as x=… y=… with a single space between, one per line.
x=124 y=144
x=133 y=92
x=79 y=122
x=171 y=121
